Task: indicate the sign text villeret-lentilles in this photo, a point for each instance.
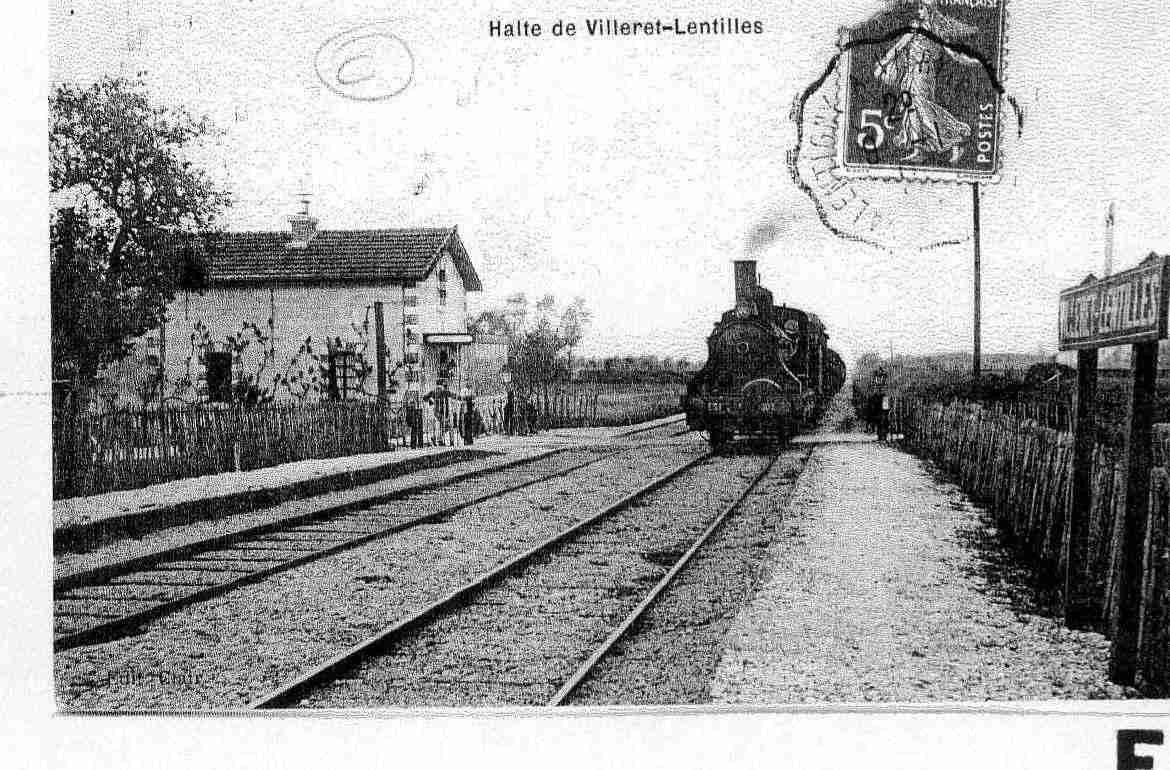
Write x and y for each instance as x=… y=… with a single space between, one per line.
x=1120 y=309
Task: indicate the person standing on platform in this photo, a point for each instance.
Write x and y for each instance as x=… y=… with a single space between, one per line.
x=440 y=398
x=470 y=425
x=509 y=413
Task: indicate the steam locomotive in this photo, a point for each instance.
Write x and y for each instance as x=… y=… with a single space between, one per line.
x=769 y=371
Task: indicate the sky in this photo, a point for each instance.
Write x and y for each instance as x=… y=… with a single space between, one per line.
x=631 y=171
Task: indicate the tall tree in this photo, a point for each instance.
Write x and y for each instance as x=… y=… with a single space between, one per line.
x=574 y=322
x=538 y=336
x=123 y=181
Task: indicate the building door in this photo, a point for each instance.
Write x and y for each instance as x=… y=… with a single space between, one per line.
x=447 y=364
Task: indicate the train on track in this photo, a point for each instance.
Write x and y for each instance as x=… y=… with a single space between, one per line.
x=769 y=372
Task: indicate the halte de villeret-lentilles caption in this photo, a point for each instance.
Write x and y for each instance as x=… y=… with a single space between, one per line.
x=612 y=27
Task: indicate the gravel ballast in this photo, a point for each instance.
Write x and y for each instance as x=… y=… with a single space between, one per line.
x=223 y=653
x=168 y=537
x=670 y=655
x=878 y=592
x=517 y=641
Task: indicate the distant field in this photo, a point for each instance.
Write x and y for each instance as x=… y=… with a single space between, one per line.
x=638 y=403
x=1048 y=395
x=606 y=404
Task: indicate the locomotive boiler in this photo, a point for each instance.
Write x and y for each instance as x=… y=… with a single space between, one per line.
x=769 y=371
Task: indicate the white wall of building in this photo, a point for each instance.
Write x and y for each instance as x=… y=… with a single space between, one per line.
x=322 y=312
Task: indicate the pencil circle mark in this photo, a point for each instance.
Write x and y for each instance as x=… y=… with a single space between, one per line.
x=367 y=63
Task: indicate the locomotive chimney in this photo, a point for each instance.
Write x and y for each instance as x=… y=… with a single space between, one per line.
x=746 y=284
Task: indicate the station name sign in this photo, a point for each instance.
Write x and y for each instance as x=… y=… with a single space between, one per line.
x=1120 y=309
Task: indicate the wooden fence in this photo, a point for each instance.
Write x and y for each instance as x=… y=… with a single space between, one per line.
x=606 y=404
x=94 y=453
x=1051 y=413
x=1022 y=471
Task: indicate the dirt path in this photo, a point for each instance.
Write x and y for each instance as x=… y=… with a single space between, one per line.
x=879 y=591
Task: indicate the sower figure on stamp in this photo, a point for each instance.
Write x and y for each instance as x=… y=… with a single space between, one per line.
x=440 y=398
x=911 y=68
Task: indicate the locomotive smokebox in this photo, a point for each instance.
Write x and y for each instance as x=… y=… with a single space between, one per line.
x=746 y=284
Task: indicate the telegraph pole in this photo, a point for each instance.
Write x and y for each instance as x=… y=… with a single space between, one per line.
x=975 y=361
x=1110 y=220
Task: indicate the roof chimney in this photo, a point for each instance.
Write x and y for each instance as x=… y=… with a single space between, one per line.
x=304 y=227
x=745 y=286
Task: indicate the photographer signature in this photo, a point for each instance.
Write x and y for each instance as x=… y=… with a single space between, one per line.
x=366 y=63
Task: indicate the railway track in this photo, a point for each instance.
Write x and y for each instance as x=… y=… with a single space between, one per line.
x=531 y=631
x=115 y=599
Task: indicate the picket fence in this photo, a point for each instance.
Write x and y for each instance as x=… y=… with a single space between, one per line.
x=101 y=452
x=1022 y=471
x=95 y=453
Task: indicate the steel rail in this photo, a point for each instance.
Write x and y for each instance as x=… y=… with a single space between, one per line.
x=123 y=625
x=297 y=688
x=646 y=429
x=582 y=673
x=105 y=572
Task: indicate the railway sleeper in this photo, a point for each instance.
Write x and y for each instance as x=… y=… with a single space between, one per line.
x=170 y=575
x=110 y=608
x=106 y=591
x=275 y=551
x=233 y=556
x=337 y=531
x=221 y=566
x=284 y=538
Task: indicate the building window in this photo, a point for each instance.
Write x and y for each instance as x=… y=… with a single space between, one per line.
x=442 y=296
x=442 y=275
x=219 y=376
x=410 y=320
x=345 y=368
x=410 y=300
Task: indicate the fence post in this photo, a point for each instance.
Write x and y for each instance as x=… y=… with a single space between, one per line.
x=1126 y=617
x=380 y=349
x=1080 y=605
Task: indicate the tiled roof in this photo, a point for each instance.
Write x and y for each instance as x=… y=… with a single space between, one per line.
x=335 y=256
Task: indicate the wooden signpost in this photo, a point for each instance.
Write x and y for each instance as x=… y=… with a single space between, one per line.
x=380 y=349
x=1128 y=308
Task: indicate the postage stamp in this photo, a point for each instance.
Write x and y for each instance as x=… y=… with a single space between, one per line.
x=659 y=360
x=922 y=89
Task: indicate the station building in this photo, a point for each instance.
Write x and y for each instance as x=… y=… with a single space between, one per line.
x=295 y=313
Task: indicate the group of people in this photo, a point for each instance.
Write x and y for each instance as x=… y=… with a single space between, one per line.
x=519 y=416
x=440 y=400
